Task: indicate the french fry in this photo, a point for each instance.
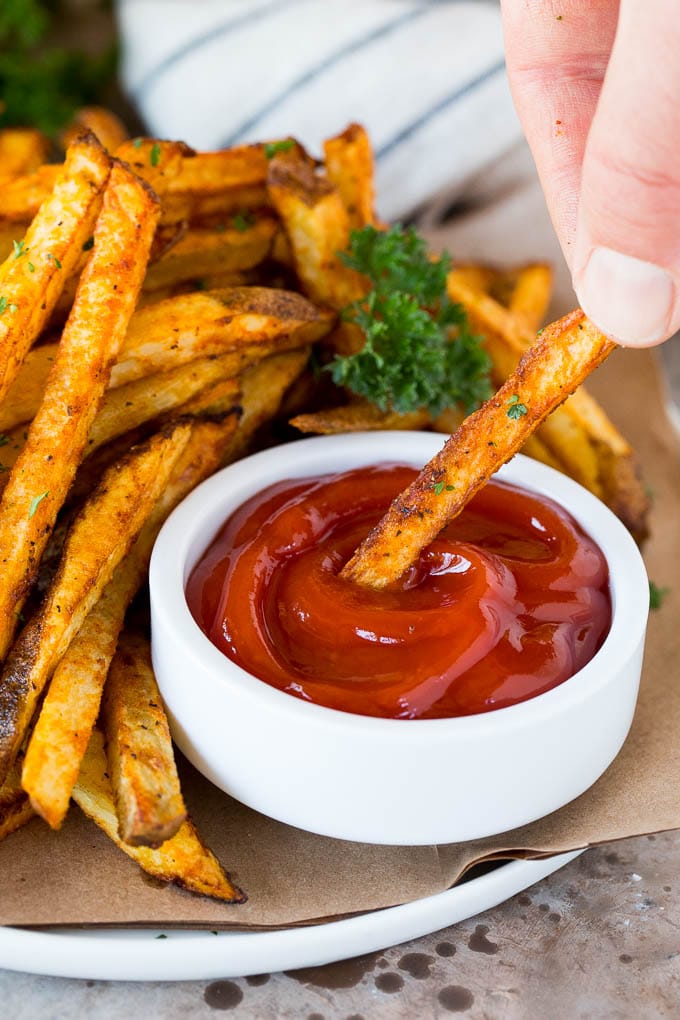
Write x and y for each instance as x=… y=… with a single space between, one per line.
x=71 y=705
x=578 y=435
x=211 y=323
x=349 y=165
x=15 y=807
x=104 y=125
x=318 y=227
x=149 y=802
x=184 y=859
x=98 y=539
x=23 y=196
x=33 y=274
x=561 y=434
x=358 y=416
x=22 y=151
x=148 y=399
x=218 y=183
x=208 y=184
x=41 y=477
x=562 y=357
x=202 y=252
x=178 y=330
x=531 y=295
x=263 y=388
x=156 y=161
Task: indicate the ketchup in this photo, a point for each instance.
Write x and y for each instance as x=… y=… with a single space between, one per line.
x=510 y=599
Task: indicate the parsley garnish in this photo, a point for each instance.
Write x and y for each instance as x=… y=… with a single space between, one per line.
x=516 y=409
x=438 y=488
x=31 y=267
x=656 y=595
x=18 y=247
x=36 y=501
x=89 y=244
x=419 y=351
x=54 y=259
x=3 y=304
x=271 y=148
x=243 y=221
x=155 y=154
x=137 y=143
x=14 y=308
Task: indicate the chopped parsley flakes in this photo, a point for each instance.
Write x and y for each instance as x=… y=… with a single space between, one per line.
x=36 y=501
x=516 y=409
x=656 y=595
x=271 y=148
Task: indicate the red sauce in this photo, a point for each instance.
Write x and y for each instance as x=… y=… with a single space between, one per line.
x=510 y=600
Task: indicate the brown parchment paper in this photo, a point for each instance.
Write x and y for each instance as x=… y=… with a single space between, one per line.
x=77 y=876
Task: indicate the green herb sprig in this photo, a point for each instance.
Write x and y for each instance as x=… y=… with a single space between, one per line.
x=419 y=349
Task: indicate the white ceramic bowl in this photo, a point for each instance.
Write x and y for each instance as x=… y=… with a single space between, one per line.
x=383 y=780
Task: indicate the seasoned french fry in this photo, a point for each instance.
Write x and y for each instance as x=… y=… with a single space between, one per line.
x=71 y=705
x=218 y=183
x=99 y=538
x=104 y=124
x=559 y=361
x=318 y=227
x=22 y=151
x=184 y=859
x=33 y=274
x=579 y=435
x=38 y=484
x=263 y=388
x=23 y=196
x=211 y=323
x=358 y=416
x=208 y=251
x=349 y=164
x=15 y=807
x=156 y=161
x=147 y=399
x=179 y=330
x=531 y=295
x=149 y=802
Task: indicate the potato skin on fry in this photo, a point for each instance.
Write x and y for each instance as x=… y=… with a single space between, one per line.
x=142 y=767
x=558 y=362
x=97 y=541
x=184 y=859
x=71 y=705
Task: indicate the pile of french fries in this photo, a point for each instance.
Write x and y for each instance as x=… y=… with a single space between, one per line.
x=157 y=310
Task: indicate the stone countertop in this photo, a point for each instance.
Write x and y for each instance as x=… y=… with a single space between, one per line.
x=599 y=939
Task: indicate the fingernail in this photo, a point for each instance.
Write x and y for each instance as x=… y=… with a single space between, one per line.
x=628 y=299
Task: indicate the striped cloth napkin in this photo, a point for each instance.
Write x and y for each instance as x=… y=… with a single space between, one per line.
x=426 y=78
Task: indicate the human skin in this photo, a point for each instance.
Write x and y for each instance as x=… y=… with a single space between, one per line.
x=597 y=87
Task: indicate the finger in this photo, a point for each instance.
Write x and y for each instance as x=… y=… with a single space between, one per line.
x=557 y=54
x=627 y=253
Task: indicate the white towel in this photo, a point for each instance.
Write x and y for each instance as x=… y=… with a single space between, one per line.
x=426 y=78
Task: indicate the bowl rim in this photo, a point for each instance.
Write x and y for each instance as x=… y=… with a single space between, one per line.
x=169 y=570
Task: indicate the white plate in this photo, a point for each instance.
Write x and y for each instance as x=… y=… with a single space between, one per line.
x=139 y=955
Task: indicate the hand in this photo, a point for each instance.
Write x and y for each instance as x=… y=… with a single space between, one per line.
x=597 y=87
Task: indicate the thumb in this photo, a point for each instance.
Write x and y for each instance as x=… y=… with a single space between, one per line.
x=626 y=263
